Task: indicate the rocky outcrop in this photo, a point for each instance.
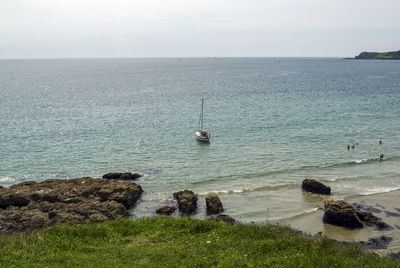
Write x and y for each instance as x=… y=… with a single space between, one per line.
x=224 y=218
x=167 y=210
x=127 y=176
x=187 y=201
x=31 y=205
x=341 y=213
x=314 y=186
x=365 y=215
x=353 y=216
x=391 y=55
x=213 y=204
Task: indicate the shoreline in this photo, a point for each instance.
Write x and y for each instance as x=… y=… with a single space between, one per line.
x=308 y=212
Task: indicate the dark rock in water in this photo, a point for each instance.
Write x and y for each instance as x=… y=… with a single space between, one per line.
x=224 y=218
x=379 y=206
x=28 y=206
x=366 y=208
x=381 y=225
x=353 y=216
x=313 y=186
x=392 y=214
x=366 y=216
x=213 y=204
x=376 y=243
x=167 y=210
x=187 y=201
x=127 y=176
x=341 y=213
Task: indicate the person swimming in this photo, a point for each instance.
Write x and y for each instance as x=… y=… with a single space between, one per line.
x=380 y=142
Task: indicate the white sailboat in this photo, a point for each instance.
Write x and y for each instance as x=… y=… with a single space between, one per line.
x=201 y=134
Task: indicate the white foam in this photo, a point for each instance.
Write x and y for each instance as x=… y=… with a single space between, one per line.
x=6 y=179
x=311 y=210
x=379 y=190
x=235 y=191
x=360 y=161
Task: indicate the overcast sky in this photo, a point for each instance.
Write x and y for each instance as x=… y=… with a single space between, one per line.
x=169 y=28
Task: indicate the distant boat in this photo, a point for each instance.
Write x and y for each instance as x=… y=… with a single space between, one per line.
x=201 y=134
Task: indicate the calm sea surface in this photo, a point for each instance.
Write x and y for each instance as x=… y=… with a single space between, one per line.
x=273 y=122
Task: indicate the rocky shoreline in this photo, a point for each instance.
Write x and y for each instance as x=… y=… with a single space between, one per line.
x=32 y=205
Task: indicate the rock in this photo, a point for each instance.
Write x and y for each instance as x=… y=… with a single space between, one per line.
x=167 y=210
x=97 y=217
x=341 y=213
x=392 y=214
x=376 y=243
x=30 y=205
x=187 y=201
x=352 y=215
x=365 y=215
x=313 y=186
x=366 y=208
x=224 y=218
x=213 y=204
x=127 y=176
x=8 y=199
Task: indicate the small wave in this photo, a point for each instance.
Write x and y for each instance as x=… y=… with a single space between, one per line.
x=257 y=189
x=151 y=171
x=310 y=210
x=236 y=191
x=206 y=181
x=298 y=169
x=6 y=179
x=379 y=190
x=366 y=161
x=360 y=161
x=300 y=214
x=274 y=187
x=297 y=215
x=389 y=175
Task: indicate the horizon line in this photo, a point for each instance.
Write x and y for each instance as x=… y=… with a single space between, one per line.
x=172 y=57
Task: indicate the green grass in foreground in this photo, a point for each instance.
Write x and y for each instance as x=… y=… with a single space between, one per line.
x=172 y=242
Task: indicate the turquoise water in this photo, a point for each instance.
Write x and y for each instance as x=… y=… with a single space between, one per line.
x=272 y=123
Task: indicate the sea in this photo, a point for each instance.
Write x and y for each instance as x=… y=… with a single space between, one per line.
x=273 y=123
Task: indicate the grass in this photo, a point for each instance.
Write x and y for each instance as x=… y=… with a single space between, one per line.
x=177 y=242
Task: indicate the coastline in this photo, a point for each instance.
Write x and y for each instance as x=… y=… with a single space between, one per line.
x=40 y=208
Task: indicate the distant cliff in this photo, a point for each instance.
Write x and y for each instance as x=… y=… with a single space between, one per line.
x=392 y=55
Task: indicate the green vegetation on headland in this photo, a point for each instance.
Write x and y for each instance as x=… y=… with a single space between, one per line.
x=178 y=242
x=393 y=55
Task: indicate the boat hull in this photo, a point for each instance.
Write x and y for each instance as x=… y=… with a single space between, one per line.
x=201 y=137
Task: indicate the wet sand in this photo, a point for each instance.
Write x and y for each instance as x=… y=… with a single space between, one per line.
x=389 y=210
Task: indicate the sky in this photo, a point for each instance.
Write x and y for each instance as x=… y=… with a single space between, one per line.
x=202 y=28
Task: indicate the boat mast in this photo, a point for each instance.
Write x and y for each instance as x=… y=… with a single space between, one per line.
x=201 y=115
